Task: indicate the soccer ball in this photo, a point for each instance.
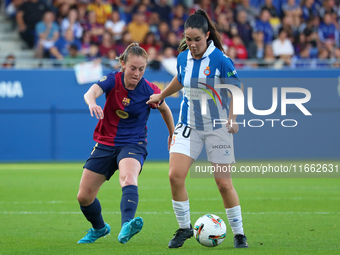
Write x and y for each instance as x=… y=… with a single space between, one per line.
x=210 y=230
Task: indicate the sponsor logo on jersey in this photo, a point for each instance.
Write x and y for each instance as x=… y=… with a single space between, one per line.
x=222 y=146
x=103 y=78
x=122 y=114
x=232 y=73
x=207 y=71
x=126 y=101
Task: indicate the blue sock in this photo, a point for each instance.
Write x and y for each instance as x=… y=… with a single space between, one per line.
x=129 y=202
x=93 y=214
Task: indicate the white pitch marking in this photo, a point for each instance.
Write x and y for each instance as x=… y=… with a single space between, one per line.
x=117 y=212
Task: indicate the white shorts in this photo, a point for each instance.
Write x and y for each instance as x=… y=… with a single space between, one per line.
x=218 y=144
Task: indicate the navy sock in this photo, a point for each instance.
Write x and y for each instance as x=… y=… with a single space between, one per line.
x=93 y=214
x=129 y=202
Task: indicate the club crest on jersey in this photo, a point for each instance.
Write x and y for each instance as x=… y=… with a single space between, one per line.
x=126 y=101
x=206 y=71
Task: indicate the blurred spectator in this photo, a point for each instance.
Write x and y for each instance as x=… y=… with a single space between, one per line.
x=268 y=5
x=244 y=28
x=112 y=61
x=9 y=61
x=96 y=29
x=293 y=10
x=177 y=27
x=150 y=41
x=28 y=15
x=62 y=12
x=241 y=51
x=93 y=54
x=172 y=42
x=164 y=30
x=47 y=32
x=115 y=26
x=153 y=23
x=274 y=19
x=300 y=43
x=291 y=30
x=308 y=9
x=330 y=7
x=283 y=47
x=71 y=21
x=126 y=40
x=73 y=57
x=336 y=57
x=323 y=59
x=153 y=59
x=269 y=58
x=222 y=25
x=62 y=45
x=85 y=43
x=206 y=5
x=222 y=6
x=138 y=28
x=232 y=54
x=169 y=60
x=180 y=14
x=310 y=30
x=328 y=32
x=262 y=24
x=11 y=9
x=106 y=45
x=303 y=59
x=102 y=10
x=70 y=3
x=145 y=7
x=256 y=47
x=163 y=9
x=82 y=12
x=251 y=11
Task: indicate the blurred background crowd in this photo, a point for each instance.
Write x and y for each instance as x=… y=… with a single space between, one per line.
x=255 y=33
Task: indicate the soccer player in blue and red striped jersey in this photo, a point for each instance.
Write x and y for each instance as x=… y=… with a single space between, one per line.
x=201 y=65
x=121 y=142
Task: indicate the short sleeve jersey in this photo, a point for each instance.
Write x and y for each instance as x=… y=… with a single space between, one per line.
x=202 y=100
x=125 y=111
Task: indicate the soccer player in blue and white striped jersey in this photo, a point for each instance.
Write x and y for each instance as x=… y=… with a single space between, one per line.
x=201 y=65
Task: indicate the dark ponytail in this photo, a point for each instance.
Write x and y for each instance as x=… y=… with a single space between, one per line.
x=201 y=20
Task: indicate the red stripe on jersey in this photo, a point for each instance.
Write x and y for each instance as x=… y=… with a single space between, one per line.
x=106 y=129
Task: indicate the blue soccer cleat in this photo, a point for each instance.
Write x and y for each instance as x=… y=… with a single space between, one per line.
x=129 y=229
x=94 y=234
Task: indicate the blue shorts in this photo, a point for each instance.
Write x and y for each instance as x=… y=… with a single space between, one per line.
x=105 y=159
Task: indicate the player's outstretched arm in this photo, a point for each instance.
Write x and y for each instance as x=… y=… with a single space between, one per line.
x=168 y=119
x=90 y=99
x=172 y=88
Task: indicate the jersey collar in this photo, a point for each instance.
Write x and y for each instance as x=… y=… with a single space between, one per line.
x=210 y=49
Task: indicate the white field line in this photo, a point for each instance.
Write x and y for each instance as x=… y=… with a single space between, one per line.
x=168 y=212
x=163 y=200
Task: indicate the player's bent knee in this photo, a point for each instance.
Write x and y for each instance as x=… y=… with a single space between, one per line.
x=128 y=180
x=84 y=200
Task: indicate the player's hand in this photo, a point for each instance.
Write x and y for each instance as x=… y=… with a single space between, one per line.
x=155 y=99
x=232 y=126
x=96 y=110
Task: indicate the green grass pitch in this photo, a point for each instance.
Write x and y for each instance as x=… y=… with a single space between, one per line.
x=39 y=213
